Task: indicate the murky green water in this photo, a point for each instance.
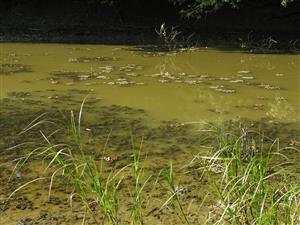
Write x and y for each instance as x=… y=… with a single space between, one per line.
x=189 y=86
x=132 y=91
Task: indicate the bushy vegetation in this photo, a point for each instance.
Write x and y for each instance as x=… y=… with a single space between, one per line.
x=196 y=8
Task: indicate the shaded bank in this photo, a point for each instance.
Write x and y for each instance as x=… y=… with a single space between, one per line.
x=135 y=23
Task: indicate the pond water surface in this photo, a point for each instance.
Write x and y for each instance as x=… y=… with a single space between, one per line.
x=189 y=86
x=134 y=90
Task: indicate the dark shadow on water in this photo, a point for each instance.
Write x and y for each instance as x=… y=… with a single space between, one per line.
x=229 y=42
x=145 y=39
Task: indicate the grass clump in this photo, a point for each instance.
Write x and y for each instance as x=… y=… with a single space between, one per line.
x=174 y=193
x=247 y=174
x=250 y=180
x=139 y=185
x=97 y=192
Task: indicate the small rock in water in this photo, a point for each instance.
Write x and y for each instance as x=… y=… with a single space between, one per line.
x=258 y=106
x=221 y=88
x=121 y=79
x=72 y=60
x=205 y=77
x=236 y=81
x=280 y=98
x=111 y=83
x=107 y=69
x=122 y=82
x=103 y=77
x=248 y=78
x=243 y=72
x=216 y=87
x=131 y=74
x=269 y=87
x=83 y=77
x=53 y=81
x=225 y=90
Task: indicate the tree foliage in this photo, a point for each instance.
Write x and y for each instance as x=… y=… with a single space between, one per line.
x=198 y=8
